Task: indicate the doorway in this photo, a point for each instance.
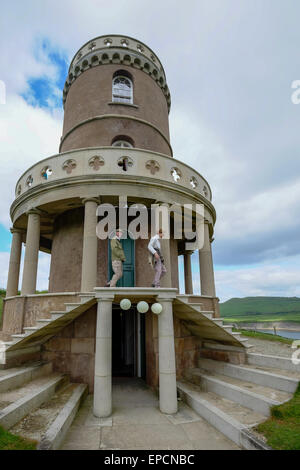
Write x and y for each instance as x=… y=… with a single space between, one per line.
x=128 y=343
x=128 y=278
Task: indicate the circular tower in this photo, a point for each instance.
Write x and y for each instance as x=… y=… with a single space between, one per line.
x=115 y=142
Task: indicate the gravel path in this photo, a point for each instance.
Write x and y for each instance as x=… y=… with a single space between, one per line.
x=271 y=348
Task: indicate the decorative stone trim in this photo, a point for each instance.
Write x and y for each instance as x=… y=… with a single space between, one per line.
x=60 y=163
x=29 y=181
x=176 y=174
x=46 y=172
x=125 y=163
x=69 y=166
x=153 y=166
x=123 y=104
x=96 y=162
x=193 y=182
x=117 y=50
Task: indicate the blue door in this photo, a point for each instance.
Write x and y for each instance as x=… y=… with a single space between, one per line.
x=128 y=267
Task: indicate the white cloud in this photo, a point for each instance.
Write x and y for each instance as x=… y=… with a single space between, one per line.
x=272 y=279
x=27 y=135
x=231 y=117
x=42 y=275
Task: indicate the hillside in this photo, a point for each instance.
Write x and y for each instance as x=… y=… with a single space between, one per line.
x=258 y=309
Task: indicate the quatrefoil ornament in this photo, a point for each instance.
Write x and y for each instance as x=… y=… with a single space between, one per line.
x=153 y=166
x=96 y=162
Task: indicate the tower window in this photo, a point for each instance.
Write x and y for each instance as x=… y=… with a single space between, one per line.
x=122 y=90
x=122 y=143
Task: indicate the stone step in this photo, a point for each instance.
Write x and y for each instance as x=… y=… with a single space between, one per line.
x=17 y=337
x=218 y=321
x=43 y=322
x=86 y=297
x=256 y=397
x=208 y=314
x=30 y=329
x=222 y=347
x=230 y=418
x=227 y=328
x=277 y=362
x=49 y=423
x=56 y=315
x=247 y=373
x=18 y=402
x=71 y=306
x=17 y=376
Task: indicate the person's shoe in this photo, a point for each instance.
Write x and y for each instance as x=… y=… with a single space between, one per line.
x=152 y=285
x=107 y=284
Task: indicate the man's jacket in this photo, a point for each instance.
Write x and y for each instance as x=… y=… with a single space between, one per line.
x=117 y=252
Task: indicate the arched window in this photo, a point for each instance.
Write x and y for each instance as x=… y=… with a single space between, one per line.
x=122 y=143
x=122 y=90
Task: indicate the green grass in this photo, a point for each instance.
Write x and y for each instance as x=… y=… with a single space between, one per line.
x=254 y=309
x=282 y=429
x=268 y=336
x=9 y=441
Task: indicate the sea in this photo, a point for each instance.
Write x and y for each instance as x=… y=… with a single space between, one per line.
x=292 y=334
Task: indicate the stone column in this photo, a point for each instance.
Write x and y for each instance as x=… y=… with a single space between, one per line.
x=31 y=252
x=188 y=277
x=167 y=366
x=166 y=280
x=206 y=266
x=90 y=243
x=103 y=358
x=14 y=263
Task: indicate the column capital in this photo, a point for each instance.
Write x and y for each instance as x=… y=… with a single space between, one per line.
x=16 y=230
x=106 y=298
x=34 y=211
x=188 y=252
x=91 y=199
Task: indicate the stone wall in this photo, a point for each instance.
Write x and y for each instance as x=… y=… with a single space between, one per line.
x=23 y=311
x=72 y=351
x=91 y=95
x=187 y=350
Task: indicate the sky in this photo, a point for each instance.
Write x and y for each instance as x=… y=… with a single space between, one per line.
x=230 y=65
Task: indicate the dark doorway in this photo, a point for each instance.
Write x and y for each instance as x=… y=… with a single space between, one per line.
x=128 y=343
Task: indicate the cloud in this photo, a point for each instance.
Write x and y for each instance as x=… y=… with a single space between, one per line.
x=27 y=134
x=229 y=66
x=272 y=279
x=42 y=275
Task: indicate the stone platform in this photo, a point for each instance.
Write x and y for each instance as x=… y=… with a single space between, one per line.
x=136 y=423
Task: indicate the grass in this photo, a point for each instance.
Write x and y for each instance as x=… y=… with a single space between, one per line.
x=261 y=309
x=9 y=441
x=268 y=336
x=271 y=317
x=282 y=429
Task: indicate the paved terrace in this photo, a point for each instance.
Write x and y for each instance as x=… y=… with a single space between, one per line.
x=136 y=423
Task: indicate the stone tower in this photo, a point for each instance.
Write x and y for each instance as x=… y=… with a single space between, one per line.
x=115 y=142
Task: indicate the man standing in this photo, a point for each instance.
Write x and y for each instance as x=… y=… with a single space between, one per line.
x=155 y=250
x=117 y=259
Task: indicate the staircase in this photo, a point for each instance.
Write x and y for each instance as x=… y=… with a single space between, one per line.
x=235 y=398
x=202 y=324
x=33 y=337
x=39 y=404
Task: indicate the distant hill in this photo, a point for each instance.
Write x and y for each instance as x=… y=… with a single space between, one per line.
x=252 y=309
